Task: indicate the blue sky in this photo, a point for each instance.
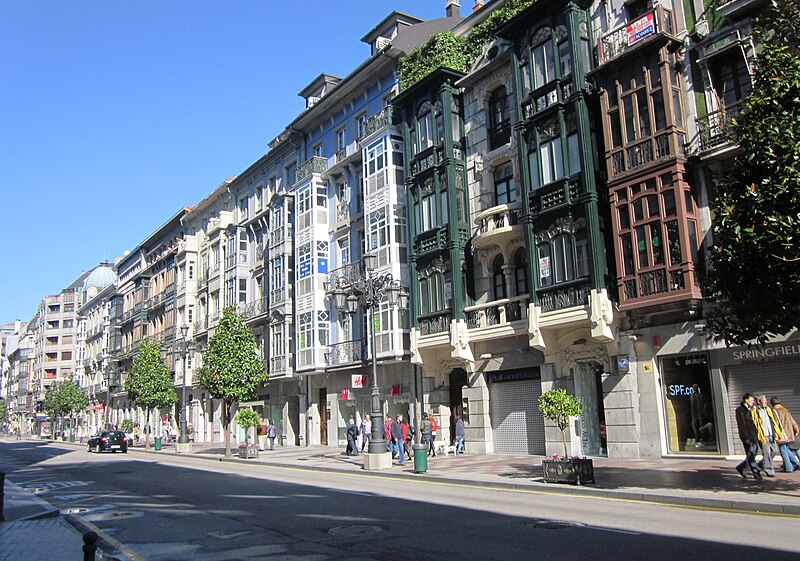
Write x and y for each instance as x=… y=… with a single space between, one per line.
x=116 y=114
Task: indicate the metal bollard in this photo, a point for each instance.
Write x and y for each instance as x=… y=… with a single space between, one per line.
x=2 y=493
x=89 y=546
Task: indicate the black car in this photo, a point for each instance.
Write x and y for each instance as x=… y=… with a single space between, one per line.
x=112 y=440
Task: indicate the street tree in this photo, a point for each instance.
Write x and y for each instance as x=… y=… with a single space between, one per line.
x=3 y=411
x=754 y=276
x=232 y=369
x=247 y=419
x=149 y=383
x=558 y=406
x=64 y=400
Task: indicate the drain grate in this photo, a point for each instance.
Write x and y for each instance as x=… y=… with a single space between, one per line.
x=355 y=531
x=554 y=524
x=112 y=515
x=74 y=510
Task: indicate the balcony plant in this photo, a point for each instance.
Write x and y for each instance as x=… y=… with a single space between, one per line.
x=558 y=406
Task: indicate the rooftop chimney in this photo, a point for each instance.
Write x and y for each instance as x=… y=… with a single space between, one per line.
x=478 y=5
x=453 y=8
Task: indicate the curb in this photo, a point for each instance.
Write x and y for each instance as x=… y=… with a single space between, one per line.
x=750 y=507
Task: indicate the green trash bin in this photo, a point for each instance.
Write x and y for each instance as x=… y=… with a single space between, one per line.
x=420 y=458
x=158 y=443
x=72 y=437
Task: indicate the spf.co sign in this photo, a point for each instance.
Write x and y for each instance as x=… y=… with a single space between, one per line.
x=359 y=381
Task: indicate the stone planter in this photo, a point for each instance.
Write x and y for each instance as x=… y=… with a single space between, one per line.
x=248 y=451
x=572 y=470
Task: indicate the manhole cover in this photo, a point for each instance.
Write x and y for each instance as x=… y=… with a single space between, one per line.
x=553 y=524
x=115 y=515
x=355 y=531
x=74 y=510
x=35 y=490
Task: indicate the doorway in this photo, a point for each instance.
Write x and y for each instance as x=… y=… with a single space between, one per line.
x=322 y=406
x=589 y=389
x=458 y=379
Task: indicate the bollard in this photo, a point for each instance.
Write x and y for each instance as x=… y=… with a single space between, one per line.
x=89 y=546
x=2 y=493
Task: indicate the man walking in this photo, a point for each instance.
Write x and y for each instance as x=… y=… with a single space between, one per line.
x=261 y=433
x=748 y=433
x=769 y=433
x=791 y=460
x=366 y=432
x=352 y=436
x=397 y=438
x=459 y=435
x=387 y=434
x=426 y=430
x=272 y=432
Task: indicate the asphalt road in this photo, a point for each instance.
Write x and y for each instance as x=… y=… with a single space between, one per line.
x=175 y=508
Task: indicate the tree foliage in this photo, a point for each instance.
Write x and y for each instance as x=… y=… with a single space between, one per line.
x=447 y=50
x=3 y=411
x=247 y=419
x=64 y=399
x=755 y=270
x=149 y=383
x=232 y=368
x=558 y=406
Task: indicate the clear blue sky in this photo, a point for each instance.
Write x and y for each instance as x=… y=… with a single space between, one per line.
x=116 y=114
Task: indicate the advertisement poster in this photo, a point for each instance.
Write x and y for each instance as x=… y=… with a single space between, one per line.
x=641 y=28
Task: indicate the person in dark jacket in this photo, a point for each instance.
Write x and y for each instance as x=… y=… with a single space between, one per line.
x=398 y=439
x=426 y=431
x=352 y=438
x=748 y=433
x=387 y=434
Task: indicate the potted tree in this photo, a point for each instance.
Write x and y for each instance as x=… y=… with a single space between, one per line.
x=558 y=406
x=247 y=419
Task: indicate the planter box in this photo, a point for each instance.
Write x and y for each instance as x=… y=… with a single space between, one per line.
x=248 y=451
x=572 y=470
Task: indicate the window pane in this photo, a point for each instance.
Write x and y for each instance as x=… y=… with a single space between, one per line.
x=616 y=130
x=687 y=200
x=574 y=154
x=658 y=108
x=674 y=241
x=566 y=58
x=545 y=265
x=624 y=217
x=533 y=162
x=627 y=255
x=652 y=205
x=582 y=257
x=669 y=202
x=657 y=243
x=644 y=113
x=638 y=209
x=641 y=247
x=424 y=297
x=630 y=124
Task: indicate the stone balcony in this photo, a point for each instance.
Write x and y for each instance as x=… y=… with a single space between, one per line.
x=498 y=225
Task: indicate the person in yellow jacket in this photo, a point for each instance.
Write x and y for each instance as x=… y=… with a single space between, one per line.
x=769 y=433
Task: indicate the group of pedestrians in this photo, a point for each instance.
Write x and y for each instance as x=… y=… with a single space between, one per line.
x=766 y=427
x=266 y=431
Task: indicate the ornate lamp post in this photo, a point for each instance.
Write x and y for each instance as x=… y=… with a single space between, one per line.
x=369 y=289
x=187 y=346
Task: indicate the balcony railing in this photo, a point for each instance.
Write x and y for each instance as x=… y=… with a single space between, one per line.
x=346 y=275
x=254 y=308
x=376 y=122
x=553 y=298
x=278 y=296
x=617 y=41
x=495 y=221
x=315 y=164
x=347 y=352
x=431 y=324
x=341 y=155
x=656 y=284
x=645 y=152
x=276 y=237
x=714 y=129
x=499 y=312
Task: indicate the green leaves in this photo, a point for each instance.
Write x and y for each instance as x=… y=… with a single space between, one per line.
x=558 y=406
x=247 y=418
x=149 y=382
x=232 y=369
x=64 y=399
x=754 y=276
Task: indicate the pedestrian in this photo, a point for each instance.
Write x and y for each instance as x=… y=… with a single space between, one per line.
x=426 y=430
x=459 y=435
x=408 y=436
x=352 y=438
x=366 y=431
x=271 y=434
x=434 y=432
x=397 y=439
x=769 y=432
x=748 y=434
x=137 y=433
x=790 y=429
x=387 y=434
x=261 y=433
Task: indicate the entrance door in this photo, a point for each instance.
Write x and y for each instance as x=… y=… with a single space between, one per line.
x=458 y=379
x=322 y=406
x=589 y=389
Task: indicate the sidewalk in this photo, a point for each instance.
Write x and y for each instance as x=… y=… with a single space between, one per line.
x=693 y=482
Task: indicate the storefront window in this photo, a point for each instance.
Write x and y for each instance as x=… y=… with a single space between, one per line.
x=691 y=423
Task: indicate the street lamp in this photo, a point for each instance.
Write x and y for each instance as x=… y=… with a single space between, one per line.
x=369 y=288
x=187 y=346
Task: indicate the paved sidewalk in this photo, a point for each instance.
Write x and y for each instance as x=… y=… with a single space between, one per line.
x=695 y=482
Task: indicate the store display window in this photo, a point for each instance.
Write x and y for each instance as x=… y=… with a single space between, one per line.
x=689 y=407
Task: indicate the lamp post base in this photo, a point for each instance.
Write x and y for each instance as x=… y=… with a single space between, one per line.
x=183 y=447
x=374 y=462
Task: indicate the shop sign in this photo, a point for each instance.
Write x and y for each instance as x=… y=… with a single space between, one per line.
x=358 y=381
x=682 y=389
x=641 y=28
x=514 y=375
x=99 y=407
x=396 y=390
x=770 y=352
x=345 y=395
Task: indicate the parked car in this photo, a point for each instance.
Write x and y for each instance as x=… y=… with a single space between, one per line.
x=111 y=440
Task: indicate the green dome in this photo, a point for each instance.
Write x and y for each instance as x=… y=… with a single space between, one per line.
x=102 y=276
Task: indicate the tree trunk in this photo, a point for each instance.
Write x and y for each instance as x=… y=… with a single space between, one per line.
x=564 y=440
x=226 y=426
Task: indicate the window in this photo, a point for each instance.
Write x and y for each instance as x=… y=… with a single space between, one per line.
x=521 y=272
x=344 y=251
x=323 y=328
x=375 y=166
x=378 y=229
x=544 y=63
x=499 y=130
x=317 y=150
x=563 y=252
x=431 y=293
x=322 y=196
x=341 y=144
x=305 y=331
x=498 y=278
x=361 y=125
x=425 y=127
x=304 y=200
x=242 y=291
x=276 y=273
x=290 y=173
x=190 y=270
x=342 y=193
x=304 y=261
x=504 y=189
x=244 y=211
x=730 y=78
x=547 y=164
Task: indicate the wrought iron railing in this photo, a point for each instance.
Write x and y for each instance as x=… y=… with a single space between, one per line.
x=315 y=164
x=346 y=352
x=499 y=312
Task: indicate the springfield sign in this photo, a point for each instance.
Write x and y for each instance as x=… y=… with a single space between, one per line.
x=785 y=350
x=641 y=28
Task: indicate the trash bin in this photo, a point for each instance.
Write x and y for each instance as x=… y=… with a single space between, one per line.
x=420 y=458
x=72 y=437
x=158 y=443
